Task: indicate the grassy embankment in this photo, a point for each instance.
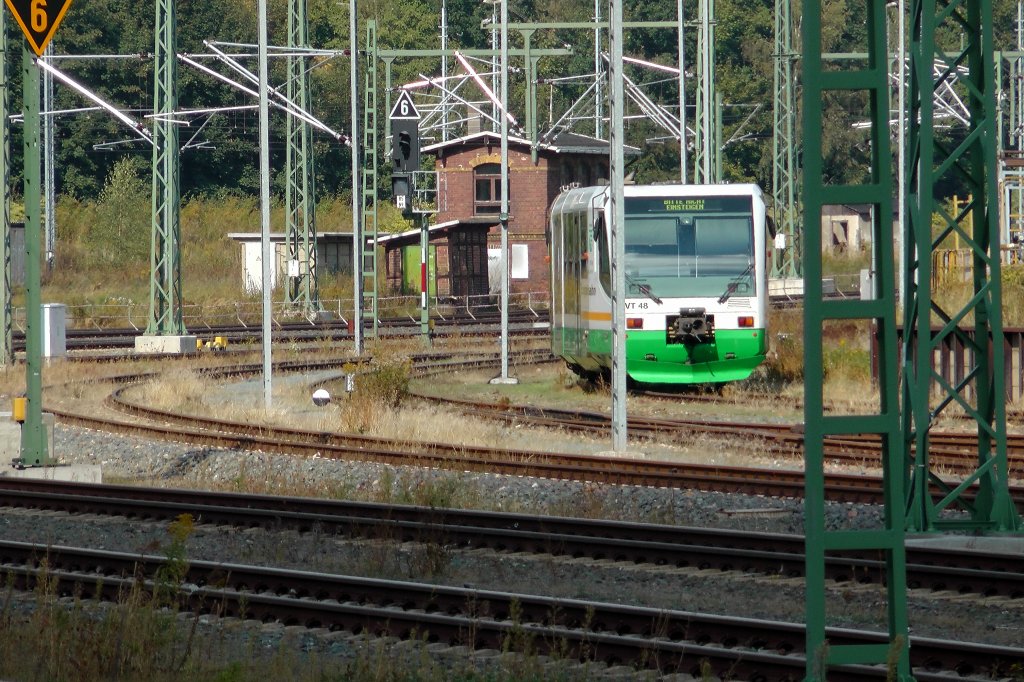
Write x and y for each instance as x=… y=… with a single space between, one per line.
x=103 y=246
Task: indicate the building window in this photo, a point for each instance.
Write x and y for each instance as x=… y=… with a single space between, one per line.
x=487 y=192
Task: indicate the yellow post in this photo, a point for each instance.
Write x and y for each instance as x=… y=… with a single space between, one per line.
x=18 y=407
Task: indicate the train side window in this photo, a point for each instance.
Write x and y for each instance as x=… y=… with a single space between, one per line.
x=604 y=264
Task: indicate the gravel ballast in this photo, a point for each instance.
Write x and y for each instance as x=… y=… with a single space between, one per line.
x=136 y=460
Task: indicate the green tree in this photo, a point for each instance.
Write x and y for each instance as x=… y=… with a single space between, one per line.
x=120 y=237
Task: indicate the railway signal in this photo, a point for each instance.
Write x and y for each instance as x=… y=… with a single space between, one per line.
x=39 y=20
x=405 y=149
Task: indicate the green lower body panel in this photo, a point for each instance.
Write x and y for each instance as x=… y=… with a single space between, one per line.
x=732 y=357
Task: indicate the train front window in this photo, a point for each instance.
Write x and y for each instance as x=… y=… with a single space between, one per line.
x=702 y=252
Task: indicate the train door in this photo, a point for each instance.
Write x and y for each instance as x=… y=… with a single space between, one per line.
x=575 y=247
x=556 y=251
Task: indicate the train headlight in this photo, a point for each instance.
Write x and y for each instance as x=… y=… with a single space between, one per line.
x=634 y=323
x=746 y=321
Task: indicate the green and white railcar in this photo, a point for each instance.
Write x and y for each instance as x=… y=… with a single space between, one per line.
x=696 y=288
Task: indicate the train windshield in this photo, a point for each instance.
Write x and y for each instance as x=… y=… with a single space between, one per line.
x=693 y=247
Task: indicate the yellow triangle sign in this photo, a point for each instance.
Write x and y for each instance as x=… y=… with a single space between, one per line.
x=38 y=20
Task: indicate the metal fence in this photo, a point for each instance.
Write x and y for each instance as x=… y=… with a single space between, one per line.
x=953 y=360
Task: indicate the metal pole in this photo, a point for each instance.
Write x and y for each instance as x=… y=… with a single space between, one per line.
x=424 y=266
x=682 y=97
x=267 y=256
x=444 y=69
x=503 y=216
x=357 y=231
x=901 y=138
x=6 y=349
x=598 y=101
x=494 y=65
x=707 y=86
x=617 y=222
x=49 y=185
x=34 y=450
x=504 y=191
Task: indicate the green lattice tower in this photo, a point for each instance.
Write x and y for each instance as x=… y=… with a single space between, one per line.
x=867 y=78
x=368 y=239
x=6 y=312
x=786 y=210
x=1013 y=178
x=165 y=297
x=705 y=154
x=300 y=200
x=981 y=500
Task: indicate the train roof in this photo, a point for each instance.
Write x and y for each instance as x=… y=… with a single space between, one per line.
x=730 y=189
x=725 y=189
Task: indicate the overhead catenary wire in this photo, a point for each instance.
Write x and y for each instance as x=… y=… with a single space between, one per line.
x=287 y=106
x=67 y=80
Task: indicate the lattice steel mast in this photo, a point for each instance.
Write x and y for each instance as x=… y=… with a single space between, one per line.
x=868 y=77
x=368 y=236
x=786 y=211
x=968 y=158
x=165 y=296
x=1013 y=176
x=301 y=291
x=6 y=346
x=705 y=155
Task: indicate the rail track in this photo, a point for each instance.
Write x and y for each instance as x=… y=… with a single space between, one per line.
x=486 y=322
x=168 y=425
x=774 y=554
x=670 y=641
x=954 y=452
x=548 y=536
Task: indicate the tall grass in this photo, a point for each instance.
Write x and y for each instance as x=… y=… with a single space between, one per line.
x=44 y=637
x=103 y=245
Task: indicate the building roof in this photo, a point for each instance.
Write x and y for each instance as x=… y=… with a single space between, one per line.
x=562 y=143
x=279 y=236
x=413 y=236
x=575 y=143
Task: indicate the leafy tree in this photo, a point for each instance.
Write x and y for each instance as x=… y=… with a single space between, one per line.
x=120 y=236
x=227 y=161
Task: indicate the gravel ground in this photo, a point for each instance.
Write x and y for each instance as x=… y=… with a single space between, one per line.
x=138 y=460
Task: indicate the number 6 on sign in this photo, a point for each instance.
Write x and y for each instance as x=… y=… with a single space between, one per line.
x=38 y=19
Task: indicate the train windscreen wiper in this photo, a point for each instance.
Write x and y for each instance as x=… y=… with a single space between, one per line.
x=735 y=284
x=644 y=289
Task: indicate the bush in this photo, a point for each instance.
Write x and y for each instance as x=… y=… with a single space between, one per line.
x=120 y=235
x=377 y=393
x=387 y=385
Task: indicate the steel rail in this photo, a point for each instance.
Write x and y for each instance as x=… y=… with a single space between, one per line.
x=776 y=554
x=953 y=451
x=652 y=473
x=669 y=641
x=844 y=487
x=524 y=324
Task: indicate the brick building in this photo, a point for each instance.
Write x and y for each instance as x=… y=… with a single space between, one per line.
x=469 y=200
